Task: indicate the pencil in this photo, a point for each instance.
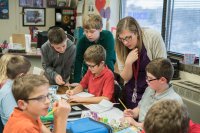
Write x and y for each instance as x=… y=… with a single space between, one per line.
x=51 y=112
x=122 y=104
x=69 y=87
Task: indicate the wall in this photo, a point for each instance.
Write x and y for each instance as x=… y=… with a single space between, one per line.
x=14 y=23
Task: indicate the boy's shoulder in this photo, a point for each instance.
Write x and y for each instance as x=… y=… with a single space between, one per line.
x=6 y=88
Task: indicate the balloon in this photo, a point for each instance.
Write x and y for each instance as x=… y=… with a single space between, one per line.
x=100 y=4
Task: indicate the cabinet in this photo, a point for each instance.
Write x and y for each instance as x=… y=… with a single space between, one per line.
x=66 y=19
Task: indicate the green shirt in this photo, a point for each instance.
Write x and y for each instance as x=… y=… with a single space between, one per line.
x=106 y=40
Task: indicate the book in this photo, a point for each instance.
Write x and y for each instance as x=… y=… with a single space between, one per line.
x=103 y=106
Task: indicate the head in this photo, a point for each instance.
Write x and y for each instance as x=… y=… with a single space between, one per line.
x=17 y=66
x=31 y=94
x=92 y=27
x=3 y=67
x=159 y=72
x=94 y=58
x=167 y=116
x=58 y=39
x=128 y=37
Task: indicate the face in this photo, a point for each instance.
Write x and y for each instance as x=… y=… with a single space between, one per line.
x=38 y=102
x=60 y=48
x=128 y=39
x=152 y=81
x=92 y=34
x=95 y=68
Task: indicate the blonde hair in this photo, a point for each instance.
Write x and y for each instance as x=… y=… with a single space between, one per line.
x=94 y=21
x=3 y=67
x=130 y=24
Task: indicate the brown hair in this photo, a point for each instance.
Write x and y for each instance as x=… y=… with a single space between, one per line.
x=130 y=24
x=3 y=67
x=95 y=54
x=56 y=35
x=161 y=67
x=94 y=21
x=23 y=86
x=167 y=116
x=17 y=65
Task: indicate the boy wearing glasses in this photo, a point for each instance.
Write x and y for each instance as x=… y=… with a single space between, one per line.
x=99 y=80
x=93 y=35
x=17 y=66
x=31 y=94
x=58 y=55
x=159 y=73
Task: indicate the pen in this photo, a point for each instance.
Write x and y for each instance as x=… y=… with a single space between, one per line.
x=122 y=104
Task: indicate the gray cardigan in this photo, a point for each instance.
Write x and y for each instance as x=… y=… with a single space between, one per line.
x=58 y=63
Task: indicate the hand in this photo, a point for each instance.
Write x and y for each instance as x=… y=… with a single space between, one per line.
x=59 y=80
x=130 y=120
x=132 y=56
x=70 y=92
x=76 y=99
x=62 y=109
x=128 y=113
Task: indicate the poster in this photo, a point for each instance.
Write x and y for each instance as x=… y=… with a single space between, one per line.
x=4 y=12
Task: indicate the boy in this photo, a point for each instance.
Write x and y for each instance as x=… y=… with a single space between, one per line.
x=159 y=73
x=17 y=66
x=99 y=80
x=93 y=35
x=167 y=116
x=58 y=55
x=31 y=94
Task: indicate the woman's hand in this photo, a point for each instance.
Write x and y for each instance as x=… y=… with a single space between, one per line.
x=132 y=56
x=128 y=113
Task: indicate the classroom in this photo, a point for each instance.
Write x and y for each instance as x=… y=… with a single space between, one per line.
x=116 y=65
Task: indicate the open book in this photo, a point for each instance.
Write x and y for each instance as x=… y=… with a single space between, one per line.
x=81 y=94
x=104 y=105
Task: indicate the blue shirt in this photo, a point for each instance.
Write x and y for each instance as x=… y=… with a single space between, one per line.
x=7 y=101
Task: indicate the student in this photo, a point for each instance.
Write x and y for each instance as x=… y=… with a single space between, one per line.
x=17 y=66
x=93 y=35
x=58 y=55
x=31 y=93
x=99 y=80
x=159 y=73
x=135 y=48
x=169 y=116
x=3 y=68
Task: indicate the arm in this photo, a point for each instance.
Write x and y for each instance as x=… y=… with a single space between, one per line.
x=60 y=116
x=76 y=90
x=134 y=113
x=110 y=51
x=127 y=72
x=78 y=61
x=49 y=70
x=8 y=104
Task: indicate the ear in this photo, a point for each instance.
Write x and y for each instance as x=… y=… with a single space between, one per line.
x=22 y=104
x=163 y=80
x=102 y=62
x=100 y=30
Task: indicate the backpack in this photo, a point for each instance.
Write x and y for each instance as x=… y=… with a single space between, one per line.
x=87 y=125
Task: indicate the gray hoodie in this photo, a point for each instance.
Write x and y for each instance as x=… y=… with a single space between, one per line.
x=58 y=63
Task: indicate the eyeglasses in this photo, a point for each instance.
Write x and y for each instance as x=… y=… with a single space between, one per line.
x=149 y=80
x=40 y=98
x=91 y=66
x=127 y=38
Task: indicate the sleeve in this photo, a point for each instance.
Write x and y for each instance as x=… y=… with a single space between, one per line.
x=8 y=105
x=144 y=96
x=78 y=61
x=159 y=49
x=85 y=80
x=49 y=71
x=110 y=51
x=108 y=88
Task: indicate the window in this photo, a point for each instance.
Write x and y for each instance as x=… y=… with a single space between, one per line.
x=147 y=12
x=184 y=36
x=181 y=33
